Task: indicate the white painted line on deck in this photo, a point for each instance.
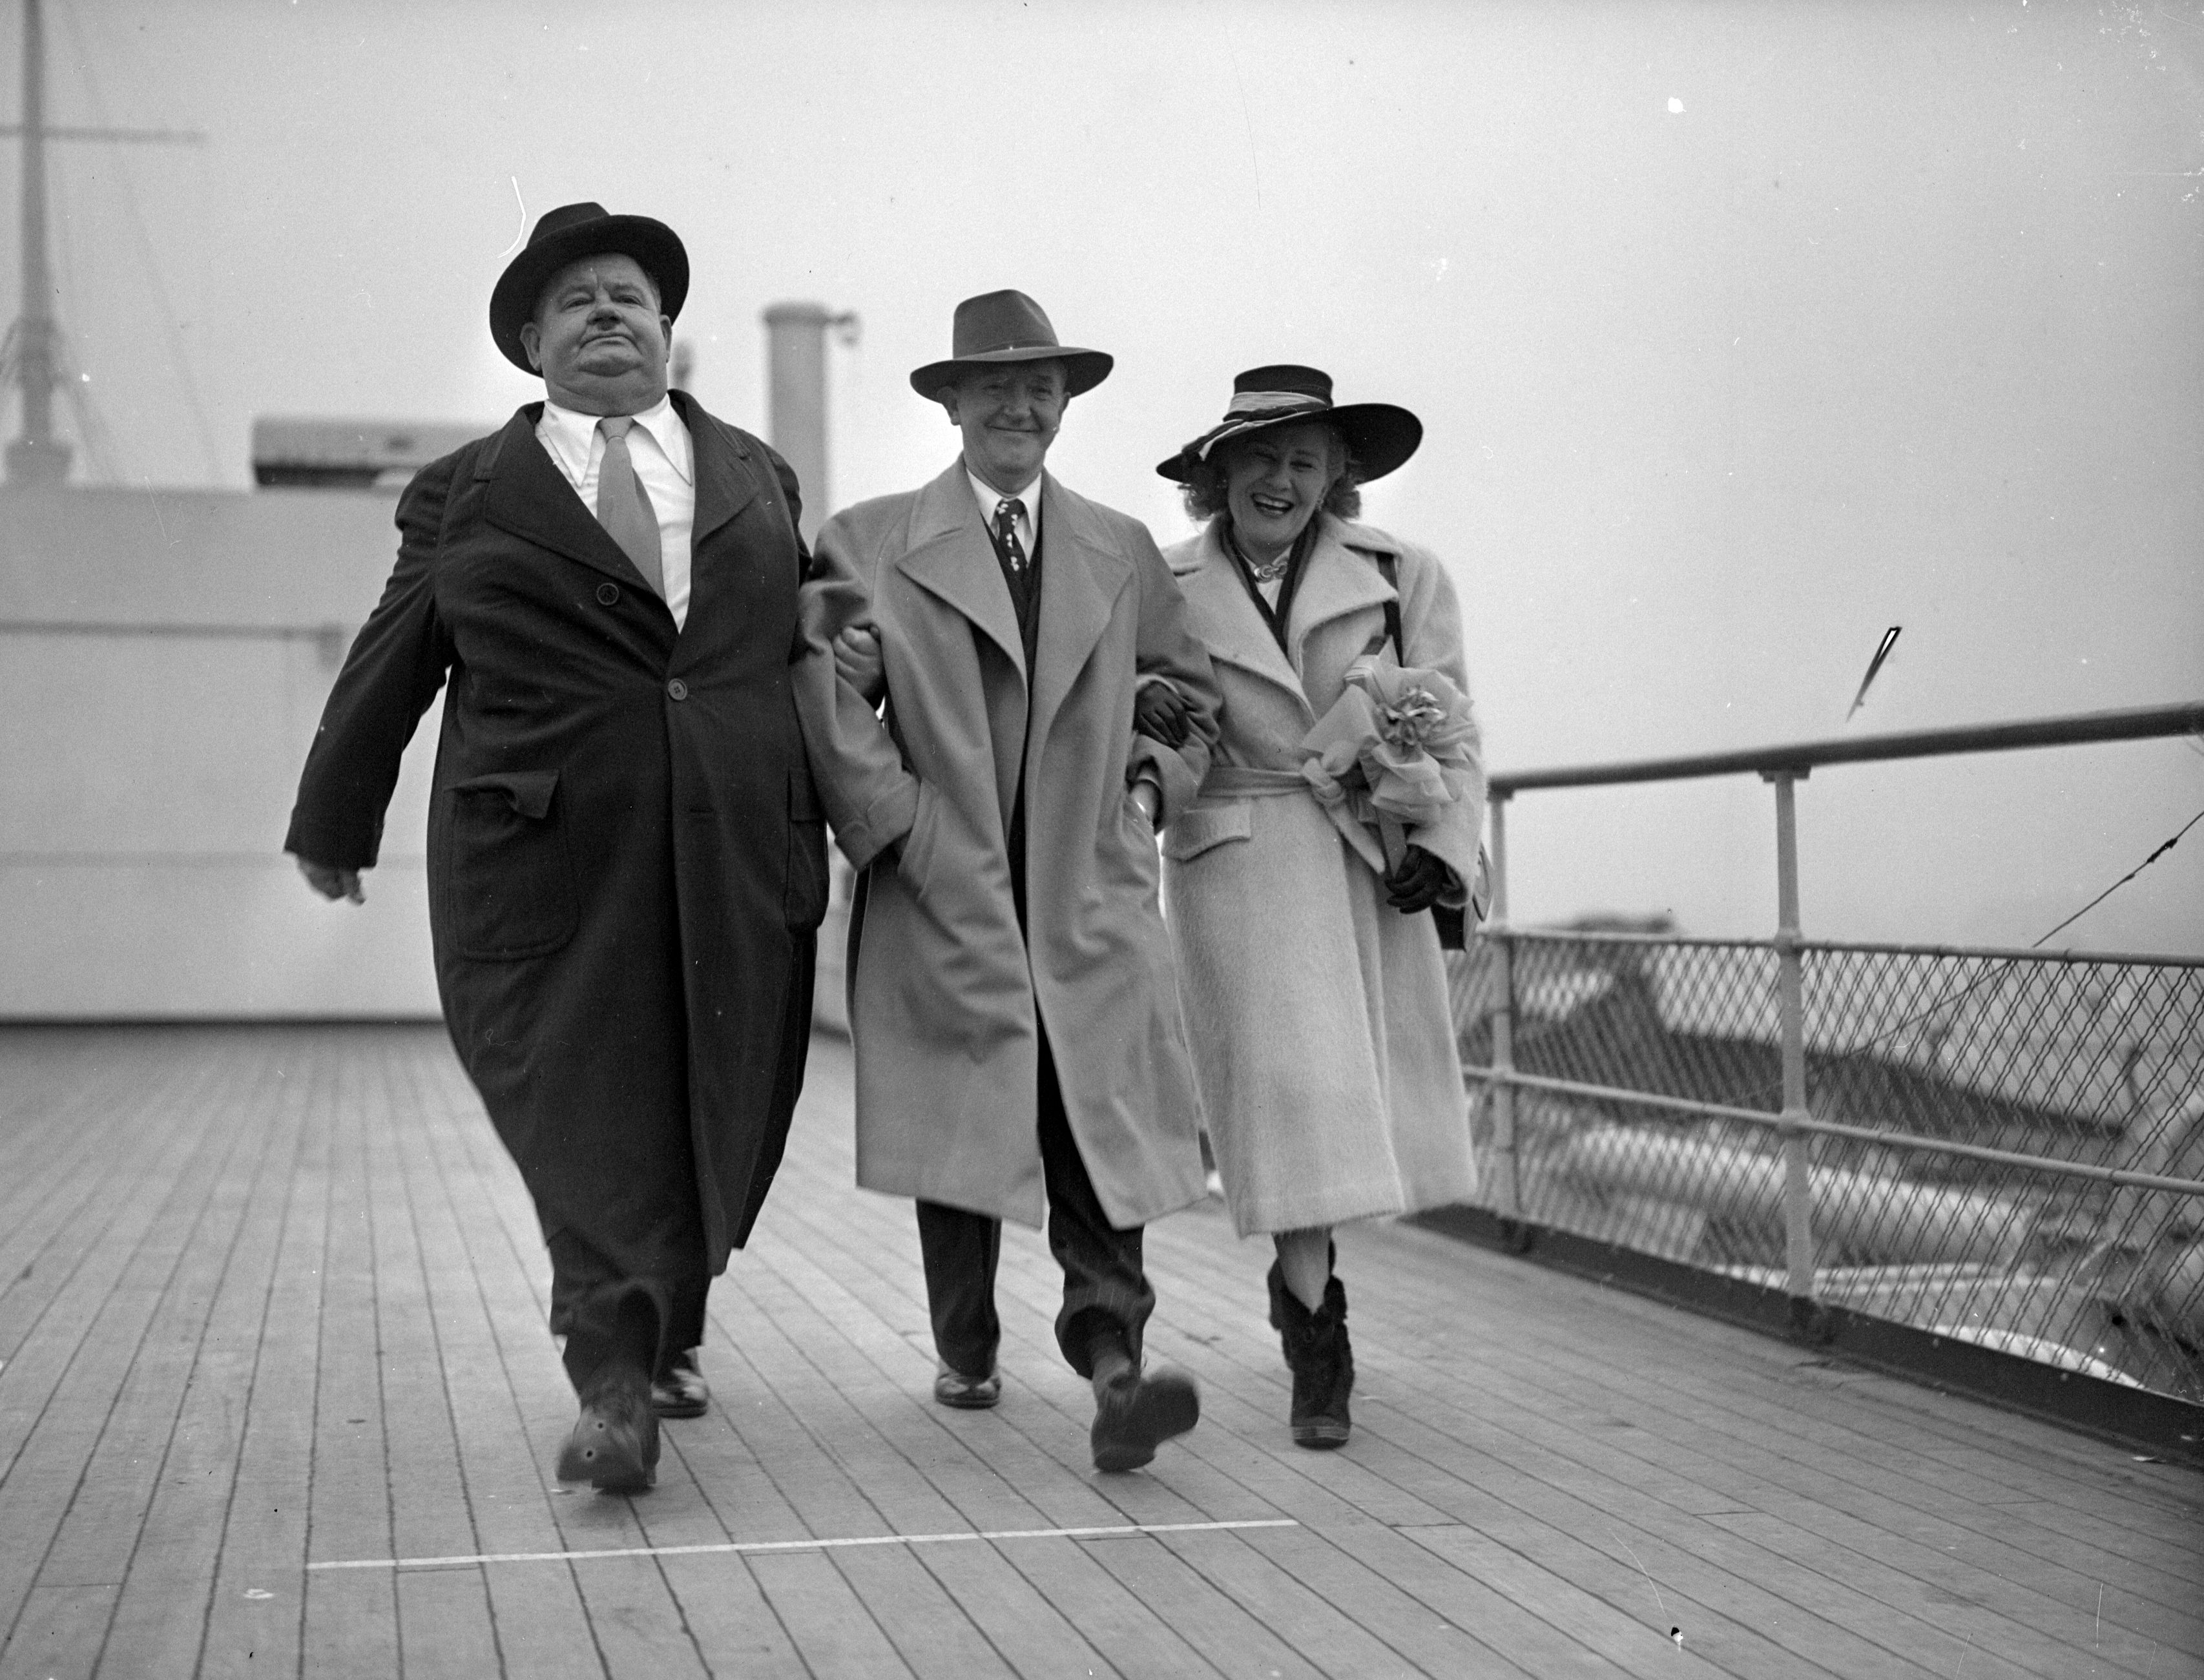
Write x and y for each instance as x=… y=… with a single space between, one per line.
x=746 y=1546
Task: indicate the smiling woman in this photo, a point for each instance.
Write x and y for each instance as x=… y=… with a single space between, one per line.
x=1315 y=988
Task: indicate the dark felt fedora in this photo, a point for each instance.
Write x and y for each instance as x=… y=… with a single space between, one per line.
x=1380 y=435
x=1000 y=327
x=574 y=231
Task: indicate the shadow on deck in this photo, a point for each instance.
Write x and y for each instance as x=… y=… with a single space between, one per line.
x=277 y=1399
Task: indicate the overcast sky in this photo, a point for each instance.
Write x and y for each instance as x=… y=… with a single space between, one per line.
x=1739 y=333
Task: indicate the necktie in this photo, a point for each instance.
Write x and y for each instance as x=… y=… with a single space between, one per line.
x=1006 y=532
x=623 y=506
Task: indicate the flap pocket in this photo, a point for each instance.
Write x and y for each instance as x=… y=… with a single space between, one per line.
x=528 y=791
x=1194 y=831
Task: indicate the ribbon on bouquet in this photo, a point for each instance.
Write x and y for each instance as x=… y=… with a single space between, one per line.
x=1393 y=752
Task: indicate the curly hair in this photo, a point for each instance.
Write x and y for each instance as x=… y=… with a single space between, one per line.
x=1205 y=494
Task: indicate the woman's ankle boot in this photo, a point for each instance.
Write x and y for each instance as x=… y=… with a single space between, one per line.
x=1322 y=1361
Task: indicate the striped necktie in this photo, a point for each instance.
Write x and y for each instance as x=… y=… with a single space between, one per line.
x=623 y=506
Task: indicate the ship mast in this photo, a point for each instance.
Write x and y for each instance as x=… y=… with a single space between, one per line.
x=30 y=358
x=35 y=457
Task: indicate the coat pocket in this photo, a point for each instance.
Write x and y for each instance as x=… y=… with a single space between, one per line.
x=915 y=862
x=509 y=883
x=1192 y=832
x=803 y=889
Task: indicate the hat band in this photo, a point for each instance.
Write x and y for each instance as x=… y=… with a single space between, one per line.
x=1248 y=404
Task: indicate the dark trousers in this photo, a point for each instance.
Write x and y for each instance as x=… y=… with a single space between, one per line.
x=629 y=1296
x=1105 y=1292
x=621 y=1327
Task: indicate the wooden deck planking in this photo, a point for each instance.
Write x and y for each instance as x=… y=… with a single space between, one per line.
x=348 y=1491
x=188 y=1514
x=240 y=1241
x=1854 y=1491
x=1849 y=1485
x=90 y=1481
x=1910 y=1444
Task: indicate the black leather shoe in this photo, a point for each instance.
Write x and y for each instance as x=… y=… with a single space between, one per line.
x=1135 y=1415
x=967 y=1394
x=679 y=1390
x=614 y=1446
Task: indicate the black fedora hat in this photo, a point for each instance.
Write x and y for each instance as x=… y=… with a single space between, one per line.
x=1380 y=435
x=1000 y=327
x=573 y=231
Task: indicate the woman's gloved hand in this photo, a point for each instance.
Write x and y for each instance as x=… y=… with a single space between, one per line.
x=1160 y=713
x=1418 y=882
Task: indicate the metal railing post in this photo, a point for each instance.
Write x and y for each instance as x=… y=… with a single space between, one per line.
x=1791 y=1000
x=1506 y=1194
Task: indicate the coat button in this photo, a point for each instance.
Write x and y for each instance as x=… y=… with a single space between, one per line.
x=678 y=689
x=607 y=595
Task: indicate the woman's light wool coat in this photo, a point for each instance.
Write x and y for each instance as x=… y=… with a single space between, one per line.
x=1323 y=1041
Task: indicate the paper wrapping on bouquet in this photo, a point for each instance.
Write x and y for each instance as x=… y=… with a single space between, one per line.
x=1393 y=751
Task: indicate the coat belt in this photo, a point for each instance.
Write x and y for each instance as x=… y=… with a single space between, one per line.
x=1233 y=781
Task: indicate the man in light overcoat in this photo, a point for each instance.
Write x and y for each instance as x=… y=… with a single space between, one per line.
x=626 y=858
x=1012 y=999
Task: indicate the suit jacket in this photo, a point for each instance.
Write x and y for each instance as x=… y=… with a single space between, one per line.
x=626 y=858
x=946 y=992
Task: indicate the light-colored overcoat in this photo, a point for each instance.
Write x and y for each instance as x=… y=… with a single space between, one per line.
x=945 y=990
x=1322 y=1040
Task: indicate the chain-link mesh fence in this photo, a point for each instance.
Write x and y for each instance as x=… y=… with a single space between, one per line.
x=2048 y=1057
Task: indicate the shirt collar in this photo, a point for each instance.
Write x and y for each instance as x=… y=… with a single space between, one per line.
x=572 y=432
x=989 y=497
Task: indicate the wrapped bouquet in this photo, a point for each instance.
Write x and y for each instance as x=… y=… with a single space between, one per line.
x=1394 y=749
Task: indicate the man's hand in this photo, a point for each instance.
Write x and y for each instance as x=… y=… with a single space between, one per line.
x=331 y=882
x=1148 y=798
x=858 y=662
x=1418 y=883
x=1160 y=713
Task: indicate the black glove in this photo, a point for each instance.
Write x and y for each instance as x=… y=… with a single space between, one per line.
x=1160 y=713
x=1418 y=882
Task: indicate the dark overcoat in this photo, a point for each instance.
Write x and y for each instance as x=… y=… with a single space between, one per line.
x=626 y=858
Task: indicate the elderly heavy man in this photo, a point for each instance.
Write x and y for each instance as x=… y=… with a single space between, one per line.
x=626 y=862
x=1012 y=1001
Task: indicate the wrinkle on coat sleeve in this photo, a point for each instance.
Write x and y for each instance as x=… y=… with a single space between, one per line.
x=1168 y=650
x=1431 y=623
x=870 y=796
x=396 y=666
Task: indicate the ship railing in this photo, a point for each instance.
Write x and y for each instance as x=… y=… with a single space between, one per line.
x=2003 y=1148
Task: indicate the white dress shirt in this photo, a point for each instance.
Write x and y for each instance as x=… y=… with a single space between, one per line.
x=665 y=462
x=1028 y=517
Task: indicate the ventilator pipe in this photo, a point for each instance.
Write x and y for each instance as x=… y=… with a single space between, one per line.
x=1873 y=1217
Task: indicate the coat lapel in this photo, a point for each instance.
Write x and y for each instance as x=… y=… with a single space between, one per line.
x=1341 y=579
x=950 y=556
x=530 y=498
x=1082 y=575
x=1234 y=630
x=725 y=484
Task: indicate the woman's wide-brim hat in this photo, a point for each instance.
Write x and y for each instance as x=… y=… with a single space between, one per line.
x=999 y=327
x=1379 y=435
x=566 y=235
